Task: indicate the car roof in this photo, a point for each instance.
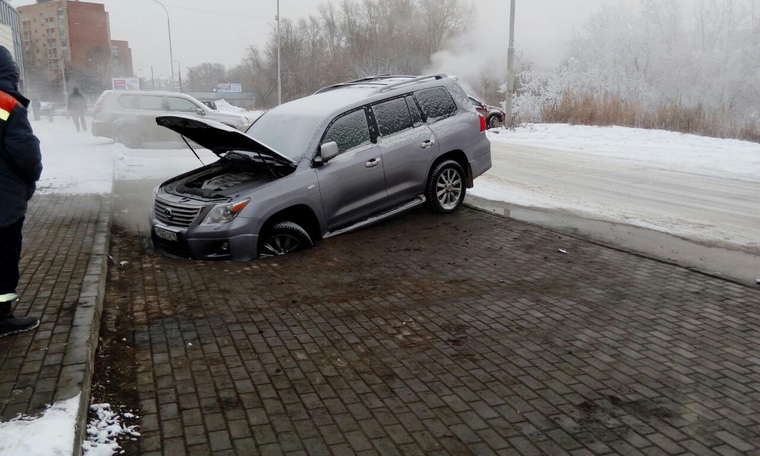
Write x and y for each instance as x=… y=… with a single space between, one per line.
x=150 y=92
x=346 y=95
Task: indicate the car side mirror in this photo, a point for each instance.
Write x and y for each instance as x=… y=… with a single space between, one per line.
x=200 y=112
x=328 y=151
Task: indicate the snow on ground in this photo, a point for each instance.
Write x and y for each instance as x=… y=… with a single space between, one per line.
x=692 y=186
x=73 y=162
x=105 y=429
x=79 y=163
x=51 y=434
x=667 y=150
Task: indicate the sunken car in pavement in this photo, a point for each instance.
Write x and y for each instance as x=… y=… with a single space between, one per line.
x=349 y=155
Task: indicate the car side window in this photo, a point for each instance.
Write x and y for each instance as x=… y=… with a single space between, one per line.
x=436 y=103
x=392 y=116
x=414 y=111
x=128 y=101
x=151 y=102
x=181 y=105
x=349 y=131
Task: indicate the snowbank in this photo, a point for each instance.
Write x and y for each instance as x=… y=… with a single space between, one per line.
x=728 y=158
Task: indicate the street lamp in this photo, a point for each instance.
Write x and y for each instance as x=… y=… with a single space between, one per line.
x=169 y=27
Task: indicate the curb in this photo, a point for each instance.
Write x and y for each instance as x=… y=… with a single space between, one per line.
x=79 y=356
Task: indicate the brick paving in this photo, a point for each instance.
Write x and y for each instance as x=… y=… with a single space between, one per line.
x=62 y=281
x=462 y=334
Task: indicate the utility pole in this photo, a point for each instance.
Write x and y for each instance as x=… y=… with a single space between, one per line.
x=510 y=68
x=63 y=76
x=152 y=81
x=279 y=76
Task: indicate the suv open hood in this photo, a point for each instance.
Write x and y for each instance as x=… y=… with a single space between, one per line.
x=218 y=137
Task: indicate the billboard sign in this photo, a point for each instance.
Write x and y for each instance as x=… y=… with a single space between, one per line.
x=125 y=83
x=229 y=87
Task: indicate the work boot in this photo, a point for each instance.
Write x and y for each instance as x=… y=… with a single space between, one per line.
x=10 y=324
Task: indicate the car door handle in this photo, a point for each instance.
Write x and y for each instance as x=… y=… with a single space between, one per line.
x=427 y=143
x=372 y=163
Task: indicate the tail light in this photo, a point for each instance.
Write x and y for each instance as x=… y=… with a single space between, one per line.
x=482 y=123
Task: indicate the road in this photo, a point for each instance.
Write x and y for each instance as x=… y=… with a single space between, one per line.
x=719 y=218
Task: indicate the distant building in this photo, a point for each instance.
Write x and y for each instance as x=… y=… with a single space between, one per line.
x=121 y=59
x=10 y=33
x=72 y=40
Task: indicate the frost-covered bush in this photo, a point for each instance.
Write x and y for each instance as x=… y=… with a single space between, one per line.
x=658 y=62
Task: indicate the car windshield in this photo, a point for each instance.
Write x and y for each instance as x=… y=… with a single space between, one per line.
x=285 y=133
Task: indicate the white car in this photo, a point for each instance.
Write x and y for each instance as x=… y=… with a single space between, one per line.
x=129 y=117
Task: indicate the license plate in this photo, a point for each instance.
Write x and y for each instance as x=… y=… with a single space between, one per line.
x=165 y=234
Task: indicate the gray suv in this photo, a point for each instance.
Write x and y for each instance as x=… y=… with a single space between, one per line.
x=129 y=117
x=347 y=156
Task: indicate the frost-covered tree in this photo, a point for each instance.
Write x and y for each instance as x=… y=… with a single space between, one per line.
x=705 y=57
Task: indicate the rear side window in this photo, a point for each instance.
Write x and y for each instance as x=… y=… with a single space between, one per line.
x=392 y=116
x=349 y=131
x=182 y=105
x=436 y=103
x=128 y=101
x=151 y=102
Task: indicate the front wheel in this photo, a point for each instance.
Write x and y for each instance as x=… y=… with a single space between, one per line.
x=283 y=238
x=445 y=187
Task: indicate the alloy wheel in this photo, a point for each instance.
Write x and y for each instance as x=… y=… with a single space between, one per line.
x=449 y=188
x=280 y=244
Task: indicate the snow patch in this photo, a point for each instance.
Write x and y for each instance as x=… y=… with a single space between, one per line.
x=104 y=430
x=51 y=434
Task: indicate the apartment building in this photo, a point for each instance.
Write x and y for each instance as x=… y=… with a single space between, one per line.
x=67 y=43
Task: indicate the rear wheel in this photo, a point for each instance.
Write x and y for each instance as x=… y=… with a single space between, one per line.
x=445 y=187
x=495 y=121
x=130 y=136
x=283 y=238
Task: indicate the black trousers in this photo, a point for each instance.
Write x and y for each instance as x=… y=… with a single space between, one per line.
x=10 y=253
x=79 y=118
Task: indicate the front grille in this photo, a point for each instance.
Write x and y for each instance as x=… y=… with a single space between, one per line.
x=178 y=248
x=175 y=214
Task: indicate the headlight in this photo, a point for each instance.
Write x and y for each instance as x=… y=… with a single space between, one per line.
x=224 y=213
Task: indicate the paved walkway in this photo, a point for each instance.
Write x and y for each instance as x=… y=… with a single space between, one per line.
x=62 y=281
x=462 y=334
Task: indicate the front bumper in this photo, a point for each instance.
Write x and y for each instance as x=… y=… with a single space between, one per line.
x=207 y=245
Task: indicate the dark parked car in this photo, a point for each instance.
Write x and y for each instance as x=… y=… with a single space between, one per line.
x=129 y=116
x=349 y=155
x=494 y=115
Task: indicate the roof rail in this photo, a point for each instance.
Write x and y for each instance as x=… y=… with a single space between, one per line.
x=365 y=80
x=412 y=80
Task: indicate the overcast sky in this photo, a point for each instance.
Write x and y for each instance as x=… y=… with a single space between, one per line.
x=219 y=31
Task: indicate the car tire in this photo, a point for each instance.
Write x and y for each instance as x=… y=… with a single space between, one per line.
x=445 y=188
x=130 y=136
x=282 y=238
x=495 y=121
